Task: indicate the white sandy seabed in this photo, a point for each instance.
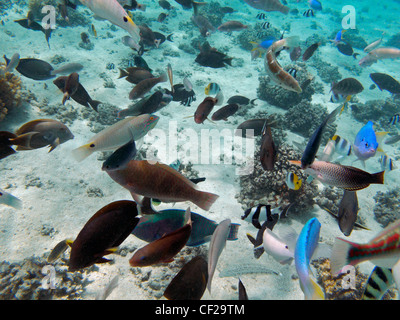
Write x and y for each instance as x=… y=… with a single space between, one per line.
x=61 y=201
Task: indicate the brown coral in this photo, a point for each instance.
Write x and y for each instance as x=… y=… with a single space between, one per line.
x=10 y=97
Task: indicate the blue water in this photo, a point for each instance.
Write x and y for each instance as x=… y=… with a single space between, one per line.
x=60 y=195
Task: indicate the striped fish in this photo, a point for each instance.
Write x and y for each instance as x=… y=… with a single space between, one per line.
x=383 y=250
x=379 y=282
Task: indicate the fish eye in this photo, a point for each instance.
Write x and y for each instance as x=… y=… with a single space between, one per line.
x=286 y=247
x=151 y=118
x=92 y=145
x=1 y=194
x=125 y=19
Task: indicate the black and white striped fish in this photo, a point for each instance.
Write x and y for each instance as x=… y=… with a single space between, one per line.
x=395 y=119
x=293 y=72
x=266 y=25
x=188 y=101
x=260 y=16
x=308 y=13
x=379 y=281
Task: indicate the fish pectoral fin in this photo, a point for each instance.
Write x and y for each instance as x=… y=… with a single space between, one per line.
x=69 y=242
x=54 y=144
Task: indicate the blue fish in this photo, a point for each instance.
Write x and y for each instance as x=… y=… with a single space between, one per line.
x=153 y=226
x=315 y=4
x=305 y=247
x=366 y=144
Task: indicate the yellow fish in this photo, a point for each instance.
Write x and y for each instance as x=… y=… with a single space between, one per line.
x=292 y=181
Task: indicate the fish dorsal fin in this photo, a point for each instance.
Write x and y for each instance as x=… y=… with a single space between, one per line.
x=29 y=125
x=322 y=250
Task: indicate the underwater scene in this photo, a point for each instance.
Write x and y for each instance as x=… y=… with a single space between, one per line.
x=190 y=150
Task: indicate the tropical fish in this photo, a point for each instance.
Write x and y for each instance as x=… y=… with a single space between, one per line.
x=205 y=108
x=92 y=30
x=268 y=5
x=292 y=181
x=347 y=214
x=204 y=25
x=242 y=291
x=250 y=128
x=34 y=69
x=102 y=233
x=165 y=4
x=190 y=282
x=11 y=65
x=132 y=5
x=315 y=4
x=148 y=104
x=260 y=47
x=260 y=16
x=29 y=23
x=383 y=251
x=373 y=44
x=379 y=282
x=148 y=37
x=181 y=94
x=80 y=96
x=225 y=112
x=379 y=54
x=268 y=151
x=305 y=247
x=281 y=248
x=387 y=163
x=386 y=82
x=68 y=68
x=135 y=74
x=295 y=54
x=9 y=200
x=129 y=42
x=59 y=249
x=41 y=133
x=308 y=13
x=345 y=177
x=261 y=212
x=346 y=49
x=342 y=146
x=211 y=57
x=313 y=144
x=347 y=87
x=141 y=63
x=161 y=17
x=189 y=4
x=217 y=245
x=145 y=86
x=275 y=71
x=212 y=88
x=308 y=53
x=395 y=119
x=112 y=11
x=71 y=86
x=120 y=157
x=336 y=216
x=5 y=144
x=153 y=226
x=117 y=135
x=265 y=25
x=161 y=182
x=232 y=25
x=365 y=144
x=241 y=100
x=163 y=250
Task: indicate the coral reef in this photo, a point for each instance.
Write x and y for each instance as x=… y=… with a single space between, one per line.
x=24 y=280
x=305 y=118
x=283 y=98
x=387 y=206
x=10 y=97
x=326 y=71
x=269 y=187
x=333 y=285
x=378 y=111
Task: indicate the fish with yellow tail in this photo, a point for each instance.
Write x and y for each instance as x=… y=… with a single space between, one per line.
x=383 y=251
x=112 y=11
x=274 y=69
x=305 y=246
x=345 y=177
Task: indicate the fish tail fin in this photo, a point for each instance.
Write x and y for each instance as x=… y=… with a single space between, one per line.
x=379 y=177
x=122 y=73
x=254 y=44
x=317 y=291
x=228 y=61
x=205 y=200
x=251 y=239
x=233 y=232
x=82 y=152
x=252 y=101
x=340 y=256
x=95 y=104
